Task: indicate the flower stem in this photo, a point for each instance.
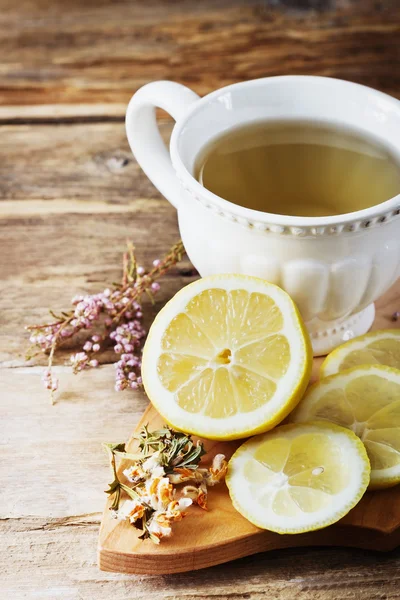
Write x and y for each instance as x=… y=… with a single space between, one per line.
x=173 y=257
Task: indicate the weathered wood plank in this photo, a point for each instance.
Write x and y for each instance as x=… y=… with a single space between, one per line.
x=71 y=197
x=55 y=559
x=61 y=113
x=82 y=162
x=67 y=53
x=46 y=259
x=58 y=467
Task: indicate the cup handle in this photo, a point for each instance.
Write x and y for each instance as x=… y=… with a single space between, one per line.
x=144 y=136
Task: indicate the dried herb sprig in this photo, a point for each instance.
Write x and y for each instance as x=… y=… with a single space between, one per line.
x=116 y=486
x=114 y=314
x=166 y=458
x=176 y=449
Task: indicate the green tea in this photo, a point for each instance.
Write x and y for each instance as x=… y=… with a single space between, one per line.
x=298 y=168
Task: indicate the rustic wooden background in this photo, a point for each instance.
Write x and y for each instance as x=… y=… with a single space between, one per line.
x=71 y=194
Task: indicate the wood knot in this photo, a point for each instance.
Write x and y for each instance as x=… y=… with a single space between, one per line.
x=115 y=163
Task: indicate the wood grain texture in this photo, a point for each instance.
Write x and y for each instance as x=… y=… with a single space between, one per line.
x=221 y=534
x=54 y=558
x=82 y=54
x=89 y=162
x=37 y=272
x=68 y=202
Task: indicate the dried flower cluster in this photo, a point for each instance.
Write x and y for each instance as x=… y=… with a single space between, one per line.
x=167 y=458
x=114 y=314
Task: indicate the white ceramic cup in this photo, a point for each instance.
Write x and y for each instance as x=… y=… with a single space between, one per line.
x=334 y=267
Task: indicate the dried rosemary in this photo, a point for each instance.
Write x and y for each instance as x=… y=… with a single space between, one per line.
x=166 y=458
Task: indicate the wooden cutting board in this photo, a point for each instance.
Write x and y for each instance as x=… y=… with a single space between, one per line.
x=207 y=538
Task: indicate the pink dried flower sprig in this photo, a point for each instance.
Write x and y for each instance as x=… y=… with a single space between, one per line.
x=128 y=341
x=114 y=314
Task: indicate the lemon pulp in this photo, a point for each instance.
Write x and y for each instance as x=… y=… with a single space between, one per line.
x=225 y=344
x=376 y=347
x=298 y=477
x=366 y=400
x=225 y=347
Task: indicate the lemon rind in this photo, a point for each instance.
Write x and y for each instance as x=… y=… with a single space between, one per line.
x=335 y=358
x=181 y=299
x=364 y=479
x=378 y=479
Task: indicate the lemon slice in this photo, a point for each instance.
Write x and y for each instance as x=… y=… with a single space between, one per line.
x=227 y=357
x=376 y=347
x=365 y=399
x=298 y=478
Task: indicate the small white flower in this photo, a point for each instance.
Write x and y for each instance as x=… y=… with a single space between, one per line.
x=191 y=492
x=159 y=531
x=159 y=490
x=133 y=473
x=184 y=503
x=152 y=462
x=127 y=473
x=217 y=470
x=132 y=510
x=126 y=509
x=158 y=471
x=145 y=498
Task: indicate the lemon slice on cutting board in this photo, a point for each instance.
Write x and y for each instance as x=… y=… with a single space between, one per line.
x=298 y=478
x=376 y=347
x=227 y=357
x=365 y=399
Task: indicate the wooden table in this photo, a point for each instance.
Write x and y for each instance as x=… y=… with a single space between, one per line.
x=71 y=194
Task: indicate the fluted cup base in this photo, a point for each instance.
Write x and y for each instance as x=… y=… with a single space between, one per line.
x=326 y=337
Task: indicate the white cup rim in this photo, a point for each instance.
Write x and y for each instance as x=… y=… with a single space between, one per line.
x=235 y=210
